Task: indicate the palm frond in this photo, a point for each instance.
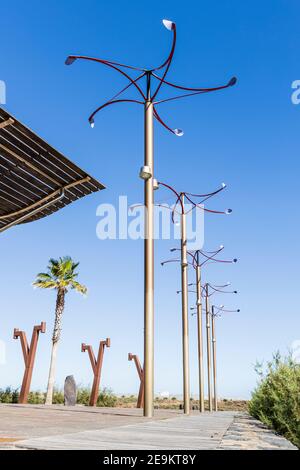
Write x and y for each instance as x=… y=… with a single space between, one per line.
x=79 y=287
x=45 y=284
x=60 y=274
x=43 y=276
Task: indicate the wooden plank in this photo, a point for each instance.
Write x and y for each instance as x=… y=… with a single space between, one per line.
x=44 y=145
x=40 y=161
x=30 y=170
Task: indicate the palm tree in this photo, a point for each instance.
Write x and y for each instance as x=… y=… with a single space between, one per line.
x=60 y=276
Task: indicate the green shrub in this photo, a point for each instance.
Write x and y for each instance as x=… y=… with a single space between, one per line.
x=276 y=400
x=107 y=398
x=58 y=397
x=83 y=396
x=9 y=395
x=36 y=398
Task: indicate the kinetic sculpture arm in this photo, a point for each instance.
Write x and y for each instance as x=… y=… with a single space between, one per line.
x=149 y=73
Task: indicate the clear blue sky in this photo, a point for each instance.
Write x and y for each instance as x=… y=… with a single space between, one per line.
x=246 y=136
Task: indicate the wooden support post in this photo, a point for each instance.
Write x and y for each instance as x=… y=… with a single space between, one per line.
x=96 y=366
x=140 y=371
x=29 y=357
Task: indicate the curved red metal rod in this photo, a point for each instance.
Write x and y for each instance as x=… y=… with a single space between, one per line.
x=173 y=261
x=170 y=261
x=171 y=26
x=179 y=249
x=208 y=210
x=222 y=291
x=71 y=59
x=212 y=258
x=212 y=252
x=188 y=253
x=178 y=195
x=174 y=210
x=185 y=95
x=158 y=118
x=208 y=194
x=203 y=200
x=177 y=132
x=203 y=291
x=170 y=209
x=219 y=287
x=178 y=97
x=128 y=86
x=228 y=211
x=203 y=252
x=226 y=261
x=231 y=82
x=91 y=118
x=189 y=290
x=108 y=103
x=206 y=256
x=177 y=200
x=220 y=309
x=167 y=62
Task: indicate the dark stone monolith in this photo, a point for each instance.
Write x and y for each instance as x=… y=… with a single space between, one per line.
x=70 y=391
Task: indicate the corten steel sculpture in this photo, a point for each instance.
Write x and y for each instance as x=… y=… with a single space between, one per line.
x=216 y=312
x=29 y=353
x=96 y=366
x=135 y=358
x=180 y=200
x=148 y=99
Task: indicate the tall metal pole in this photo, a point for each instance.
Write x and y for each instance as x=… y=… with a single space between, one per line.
x=185 y=320
x=149 y=260
x=200 y=335
x=214 y=351
x=208 y=342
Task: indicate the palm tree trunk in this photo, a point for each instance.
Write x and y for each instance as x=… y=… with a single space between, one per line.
x=60 y=304
x=51 y=378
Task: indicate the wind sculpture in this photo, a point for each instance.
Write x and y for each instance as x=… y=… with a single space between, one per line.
x=155 y=78
x=190 y=258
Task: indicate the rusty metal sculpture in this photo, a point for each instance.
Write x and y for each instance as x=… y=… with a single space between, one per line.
x=29 y=357
x=96 y=366
x=140 y=371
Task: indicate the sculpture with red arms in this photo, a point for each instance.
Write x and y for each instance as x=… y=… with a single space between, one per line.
x=149 y=74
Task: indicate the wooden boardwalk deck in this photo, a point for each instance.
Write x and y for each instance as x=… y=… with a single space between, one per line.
x=37 y=427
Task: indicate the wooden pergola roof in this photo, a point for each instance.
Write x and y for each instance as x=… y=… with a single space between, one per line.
x=35 y=179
